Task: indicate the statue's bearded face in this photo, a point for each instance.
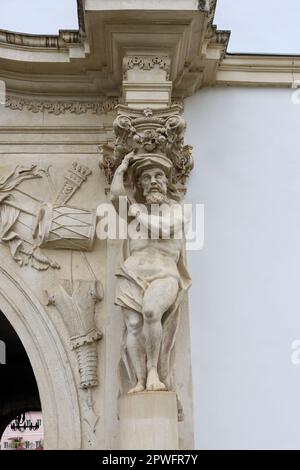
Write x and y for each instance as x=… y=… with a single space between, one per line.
x=154 y=184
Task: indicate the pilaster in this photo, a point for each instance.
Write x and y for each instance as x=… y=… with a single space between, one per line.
x=146 y=81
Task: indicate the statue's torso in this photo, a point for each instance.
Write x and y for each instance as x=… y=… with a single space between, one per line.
x=156 y=249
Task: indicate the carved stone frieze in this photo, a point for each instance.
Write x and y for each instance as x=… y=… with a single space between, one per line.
x=61 y=107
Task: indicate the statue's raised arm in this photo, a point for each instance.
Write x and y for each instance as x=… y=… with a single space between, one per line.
x=117 y=186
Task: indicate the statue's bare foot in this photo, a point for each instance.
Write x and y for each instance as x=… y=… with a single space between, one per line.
x=140 y=387
x=153 y=382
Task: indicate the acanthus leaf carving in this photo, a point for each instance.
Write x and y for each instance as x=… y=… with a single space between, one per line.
x=149 y=131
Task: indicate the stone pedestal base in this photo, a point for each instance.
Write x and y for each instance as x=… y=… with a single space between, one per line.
x=148 y=421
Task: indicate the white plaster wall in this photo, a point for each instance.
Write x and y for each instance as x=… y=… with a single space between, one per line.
x=245 y=301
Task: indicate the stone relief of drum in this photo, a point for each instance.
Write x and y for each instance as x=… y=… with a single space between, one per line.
x=64 y=227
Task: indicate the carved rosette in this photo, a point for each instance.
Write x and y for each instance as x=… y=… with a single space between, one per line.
x=149 y=131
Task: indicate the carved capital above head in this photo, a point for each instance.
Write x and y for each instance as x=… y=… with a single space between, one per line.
x=159 y=132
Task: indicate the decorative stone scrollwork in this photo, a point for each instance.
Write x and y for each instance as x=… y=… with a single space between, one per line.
x=146 y=63
x=60 y=107
x=149 y=131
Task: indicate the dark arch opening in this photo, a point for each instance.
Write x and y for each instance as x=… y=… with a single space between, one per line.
x=18 y=391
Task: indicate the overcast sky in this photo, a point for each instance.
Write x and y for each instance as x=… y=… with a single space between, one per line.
x=269 y=26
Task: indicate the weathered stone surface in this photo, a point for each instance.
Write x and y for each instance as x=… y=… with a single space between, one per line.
x=57 y=278
x=148 y=421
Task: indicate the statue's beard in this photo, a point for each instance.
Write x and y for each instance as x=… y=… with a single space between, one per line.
x=156 y=197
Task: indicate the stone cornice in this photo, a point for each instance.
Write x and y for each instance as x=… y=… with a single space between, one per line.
x=63 y=47
x=63 y=39
x=218 y=38
x=50 y=41
x=212 y=11
x=71 y=63
x=78 y=62
x=140 y=5
x=259 y=70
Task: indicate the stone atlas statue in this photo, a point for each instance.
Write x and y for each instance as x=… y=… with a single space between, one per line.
x=152 y=277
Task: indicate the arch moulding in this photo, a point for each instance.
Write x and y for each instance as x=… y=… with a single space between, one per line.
x=49 y=361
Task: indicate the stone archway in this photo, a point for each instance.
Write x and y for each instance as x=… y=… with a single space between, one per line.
x=49 y=361
x=18 y=392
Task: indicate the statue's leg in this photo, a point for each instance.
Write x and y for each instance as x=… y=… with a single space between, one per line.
x=135 y=346
x=158 y=298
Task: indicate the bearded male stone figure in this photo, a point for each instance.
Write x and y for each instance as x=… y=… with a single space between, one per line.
x=152 y=277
